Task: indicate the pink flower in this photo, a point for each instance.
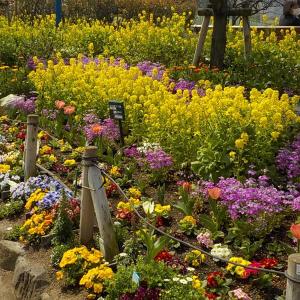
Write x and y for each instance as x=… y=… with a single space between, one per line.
x=68 y=110
x=240 y=294
x=60 y=104
x=205 y=239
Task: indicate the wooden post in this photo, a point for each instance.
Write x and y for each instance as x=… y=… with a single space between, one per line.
x=202 y=37
x=218 y=43
x=247 y=36
x=31 y=146
x=101 y=207
x=86 y=207
x=293 y=287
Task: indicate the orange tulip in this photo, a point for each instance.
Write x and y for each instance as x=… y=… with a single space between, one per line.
x=68 y=110
x=187 y=186
x=214 y=193
x=60 y=104
x=295 y=230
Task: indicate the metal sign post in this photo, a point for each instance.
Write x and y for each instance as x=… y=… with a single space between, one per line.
x=117 y=112
x=58 y=12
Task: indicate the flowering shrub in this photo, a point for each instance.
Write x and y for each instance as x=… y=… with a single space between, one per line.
x=77 y=262
x=251 y=199
x=195 y=258
x=223 y=121
x=188 y=225
x=35 y=227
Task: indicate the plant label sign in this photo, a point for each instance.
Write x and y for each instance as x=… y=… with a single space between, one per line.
x=116 y=110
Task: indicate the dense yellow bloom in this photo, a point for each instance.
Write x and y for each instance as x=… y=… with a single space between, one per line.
x=4 y=168
x=95 y=276
x=188 y=219
x=35 y=197
x=134 y=192
x=45 y=150
x=70 y=162
x=115 y=171
x=124 y=205
x=240 y=271
x=162 y=209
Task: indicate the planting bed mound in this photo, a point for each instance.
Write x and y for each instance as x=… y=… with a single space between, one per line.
x=180 y=202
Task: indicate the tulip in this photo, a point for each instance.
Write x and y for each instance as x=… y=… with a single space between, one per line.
x=68 y=110
x=214 y=193
x=295 y=230
x=60 y=104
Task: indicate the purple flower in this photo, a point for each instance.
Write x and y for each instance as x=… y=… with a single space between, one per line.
x=147 y=67
x=288 y=159
x=25 y=105
x=91 y=118
x=132 y=151
x=158 y=159
x=106 y=129
x=49 y=113
x=247 y=201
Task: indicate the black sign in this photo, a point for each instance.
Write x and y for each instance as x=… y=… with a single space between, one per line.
x=116 y=110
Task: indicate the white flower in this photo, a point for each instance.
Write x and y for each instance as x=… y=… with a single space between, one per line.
x=183 y=281
x=220 y=251
x=189 y=279
x=190 y=269
x=175 y=279
x=166 y=280
x=123 y=254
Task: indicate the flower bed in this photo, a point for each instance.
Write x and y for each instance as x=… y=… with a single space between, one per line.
x=214 y=216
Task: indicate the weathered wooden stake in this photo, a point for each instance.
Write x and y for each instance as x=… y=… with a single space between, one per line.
x=94 y=201
x=109 y=247
x=293 y=288
x=31 y=146
x=86 y=207
x=247 y=36
x=202 y=37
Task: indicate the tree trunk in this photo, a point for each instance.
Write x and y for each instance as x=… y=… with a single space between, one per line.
x=218 y=44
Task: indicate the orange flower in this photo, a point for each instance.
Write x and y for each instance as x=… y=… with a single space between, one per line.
x=60 y=104
x=214 y=193
x=295 y=230
x=68 y=110
x=187 y=186
x=96 y=128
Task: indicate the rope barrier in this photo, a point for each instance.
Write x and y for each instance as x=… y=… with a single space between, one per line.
x=184 y=242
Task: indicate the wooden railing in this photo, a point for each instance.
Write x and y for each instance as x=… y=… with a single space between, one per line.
x=267 y=29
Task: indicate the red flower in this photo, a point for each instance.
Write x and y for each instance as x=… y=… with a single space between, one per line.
x=163 y=256
x=268 y=263
x=21 y=135
x=160 y=221
x=124 y=214
x=212 y=278
x=110 y=189
x=295 y=230
x=22 y=147
x=249 y=272
x=211 y=296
